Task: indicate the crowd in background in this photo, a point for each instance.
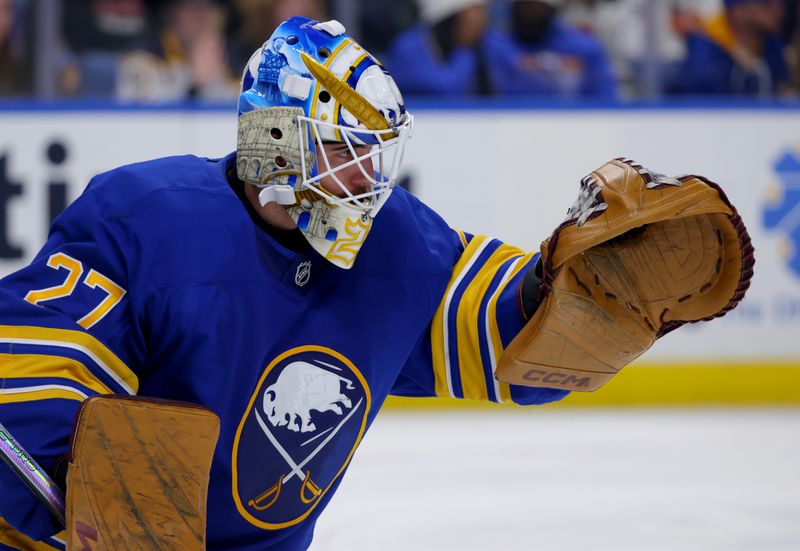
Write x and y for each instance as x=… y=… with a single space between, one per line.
x=178 y=50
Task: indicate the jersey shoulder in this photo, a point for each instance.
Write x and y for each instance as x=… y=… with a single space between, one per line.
x=127 y=186
x=410 y=237
x=112 y=199
x=168 y=196
x=166 y=214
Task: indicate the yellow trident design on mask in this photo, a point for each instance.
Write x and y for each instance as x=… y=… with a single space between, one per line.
x=349 y=98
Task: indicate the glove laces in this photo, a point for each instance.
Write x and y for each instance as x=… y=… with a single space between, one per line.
x=652 y=178
x=587 y=202
x=590 y=201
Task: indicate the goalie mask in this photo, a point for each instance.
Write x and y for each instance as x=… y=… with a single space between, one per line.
x=310 y=84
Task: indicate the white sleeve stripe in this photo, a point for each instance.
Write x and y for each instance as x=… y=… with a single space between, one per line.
x=58 y=541
x=446 y=313
x=489 y=343
x=23 y=389
x=73 y=346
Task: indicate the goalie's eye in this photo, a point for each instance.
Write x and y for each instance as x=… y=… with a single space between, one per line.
x=345 y=153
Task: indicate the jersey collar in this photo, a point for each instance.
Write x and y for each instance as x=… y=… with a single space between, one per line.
x=285 y=254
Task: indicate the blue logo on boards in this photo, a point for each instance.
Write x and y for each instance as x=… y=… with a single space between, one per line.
x=783 y=212
x=299 y=432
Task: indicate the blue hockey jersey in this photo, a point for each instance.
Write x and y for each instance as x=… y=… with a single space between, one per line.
x=156 y=281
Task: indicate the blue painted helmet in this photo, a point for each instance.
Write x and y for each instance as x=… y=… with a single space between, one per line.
x=311 y=84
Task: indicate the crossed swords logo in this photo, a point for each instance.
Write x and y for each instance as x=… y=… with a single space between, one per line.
x=267 y=499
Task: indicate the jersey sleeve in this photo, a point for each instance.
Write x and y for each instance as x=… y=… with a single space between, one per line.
x=476 y=320
x=68 y=330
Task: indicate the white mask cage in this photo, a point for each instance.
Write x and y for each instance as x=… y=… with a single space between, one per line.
x=379 y=166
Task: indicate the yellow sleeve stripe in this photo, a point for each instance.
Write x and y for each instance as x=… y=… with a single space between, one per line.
x=82 y=342
x=472 y=370
x=495 y=344
x=439 y=331
x=40 y=392
x=462 y=237
x=35 y=366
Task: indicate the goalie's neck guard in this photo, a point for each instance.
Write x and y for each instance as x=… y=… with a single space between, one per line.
x=312 y=84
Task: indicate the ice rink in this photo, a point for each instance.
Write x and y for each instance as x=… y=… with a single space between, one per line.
x=572 y=479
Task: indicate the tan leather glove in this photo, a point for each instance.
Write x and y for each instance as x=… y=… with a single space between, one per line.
x=639 y=255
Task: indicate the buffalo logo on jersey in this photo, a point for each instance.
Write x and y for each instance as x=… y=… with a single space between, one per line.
x=298 y=434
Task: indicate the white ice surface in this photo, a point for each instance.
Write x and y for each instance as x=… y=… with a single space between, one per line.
x=549 y=479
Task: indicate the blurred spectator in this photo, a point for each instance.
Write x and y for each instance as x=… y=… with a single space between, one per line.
x=739 y=52
x=545 y=56
x=253 y=20
x=187 y=62
x=791 y=19
x=95 y=33
x=792 y=34
x=16 y=75
x=382 y=20
x=446 y=54
x=630 y=40
x=454 y=53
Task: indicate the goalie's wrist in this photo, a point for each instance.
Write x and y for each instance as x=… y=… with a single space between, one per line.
x=529 y=294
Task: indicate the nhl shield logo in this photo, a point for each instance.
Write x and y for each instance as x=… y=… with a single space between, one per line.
x=303 y=273
x=298 y=434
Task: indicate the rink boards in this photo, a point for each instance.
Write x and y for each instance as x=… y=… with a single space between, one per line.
x=510 y=171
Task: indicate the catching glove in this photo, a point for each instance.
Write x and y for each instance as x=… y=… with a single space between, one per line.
x=639 y=255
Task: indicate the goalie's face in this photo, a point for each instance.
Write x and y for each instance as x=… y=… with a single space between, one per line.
x=349 y=182
x=348 y=177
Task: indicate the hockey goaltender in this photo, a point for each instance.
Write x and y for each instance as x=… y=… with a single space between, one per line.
x=200 y=345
